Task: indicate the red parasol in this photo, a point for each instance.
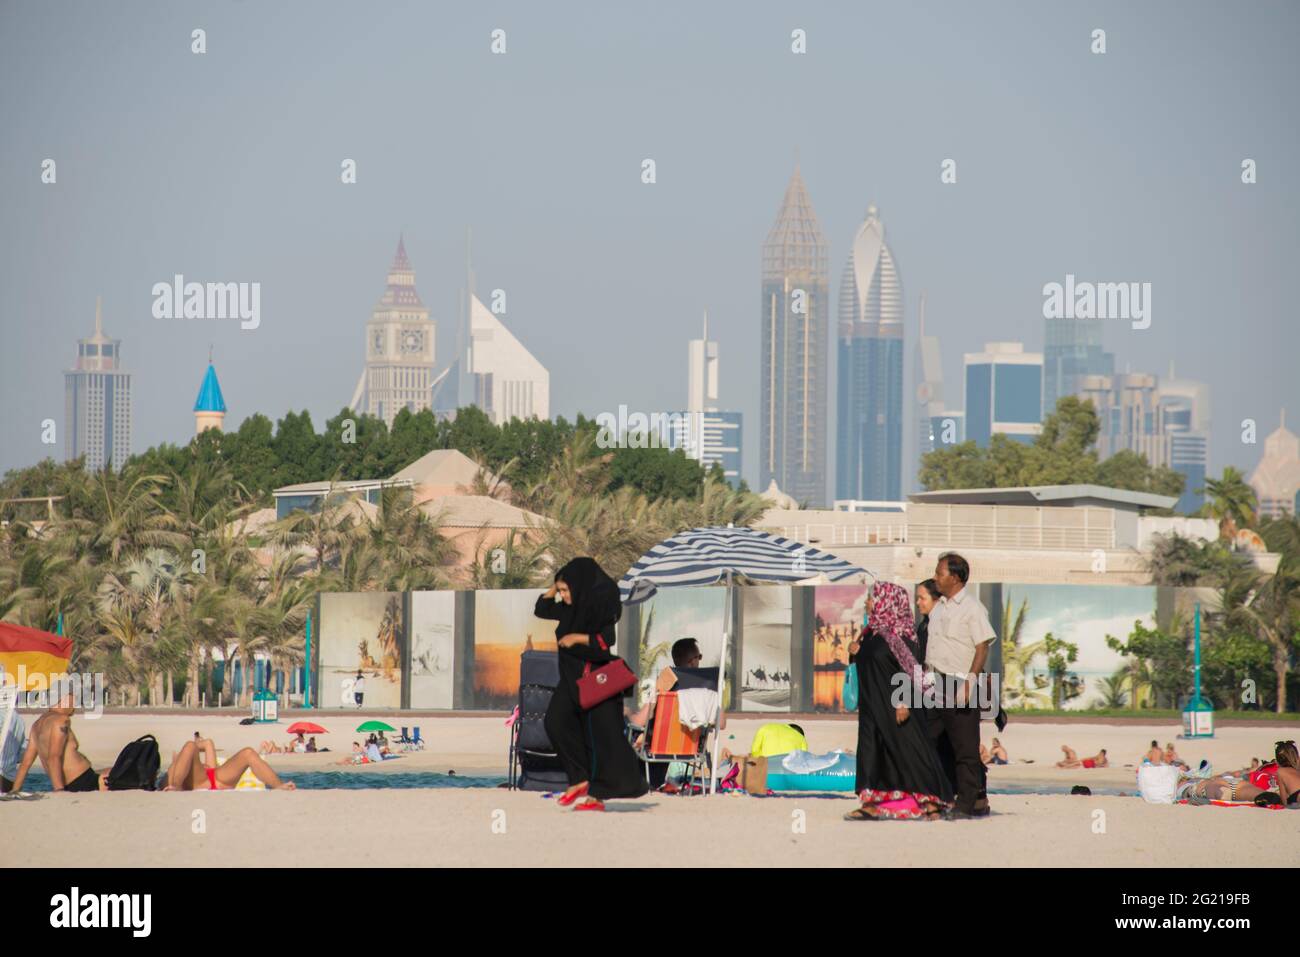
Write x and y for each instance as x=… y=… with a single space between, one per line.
x=306 y=727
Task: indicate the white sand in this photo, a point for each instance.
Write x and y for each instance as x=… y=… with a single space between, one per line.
x=456 y=827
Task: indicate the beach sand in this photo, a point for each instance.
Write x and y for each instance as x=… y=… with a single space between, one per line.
x=496 y=827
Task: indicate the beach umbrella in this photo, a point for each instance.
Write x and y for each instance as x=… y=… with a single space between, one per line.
x=306 y=727
x=28 y=652
x=375 y=726
x=706 y=556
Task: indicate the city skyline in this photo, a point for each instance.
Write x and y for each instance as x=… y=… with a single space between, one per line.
x=1024 y=210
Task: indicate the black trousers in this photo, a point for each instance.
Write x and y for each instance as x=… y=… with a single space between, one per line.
x=955 y=732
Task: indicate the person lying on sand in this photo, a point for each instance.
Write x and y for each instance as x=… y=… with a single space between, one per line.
x=196 y=769
x=54 y=742
x=1072 y=760
x=1171 y=757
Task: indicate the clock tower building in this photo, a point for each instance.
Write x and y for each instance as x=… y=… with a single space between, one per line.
x=399 y=348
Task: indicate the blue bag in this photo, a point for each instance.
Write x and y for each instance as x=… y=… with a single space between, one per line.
x=850 y=693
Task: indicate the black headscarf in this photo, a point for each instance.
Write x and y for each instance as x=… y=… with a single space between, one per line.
x=595 y=596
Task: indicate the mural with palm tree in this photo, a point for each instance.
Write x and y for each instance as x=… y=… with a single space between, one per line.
x=1016 y=659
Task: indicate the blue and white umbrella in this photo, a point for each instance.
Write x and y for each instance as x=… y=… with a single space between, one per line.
x=705 y=556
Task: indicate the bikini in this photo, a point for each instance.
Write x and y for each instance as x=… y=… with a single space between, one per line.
x=212 y=779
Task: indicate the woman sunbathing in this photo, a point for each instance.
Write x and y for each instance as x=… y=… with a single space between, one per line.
x=195 y=769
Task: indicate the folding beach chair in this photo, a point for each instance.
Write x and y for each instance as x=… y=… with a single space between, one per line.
x=417 y=742
x=404 y=738
x=534 y=765
x=666 y=740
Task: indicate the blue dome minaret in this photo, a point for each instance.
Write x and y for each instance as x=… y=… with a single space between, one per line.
x=209 y=407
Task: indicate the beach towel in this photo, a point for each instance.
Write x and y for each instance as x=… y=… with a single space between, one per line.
x=697 y=707
x=1217 y=803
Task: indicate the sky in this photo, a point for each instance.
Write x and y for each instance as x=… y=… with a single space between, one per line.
x=225 y=167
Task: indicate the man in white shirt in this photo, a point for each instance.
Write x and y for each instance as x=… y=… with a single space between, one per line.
x=359 y=688
x=960 y=638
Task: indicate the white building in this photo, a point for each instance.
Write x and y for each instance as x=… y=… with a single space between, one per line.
x=1052 y=534
x=399 y=349
x=1276 y=479
x=97 y=394
x=509 y=382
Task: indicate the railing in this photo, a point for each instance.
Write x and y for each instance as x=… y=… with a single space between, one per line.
x=1037 y=528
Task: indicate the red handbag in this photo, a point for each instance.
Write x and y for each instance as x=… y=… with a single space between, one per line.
x=596 y=687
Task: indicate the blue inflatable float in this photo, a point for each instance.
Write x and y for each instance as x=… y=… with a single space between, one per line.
x=837 y=776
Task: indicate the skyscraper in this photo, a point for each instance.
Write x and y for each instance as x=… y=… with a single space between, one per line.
x=509 y=382
x=97 y=396
x=1276 y=479
x=1004 y=393
x=869 y=441
x=928 y=407
x=795 y=352
x=703 y=432
x=1072 y=350
x=399 y=348
x=1187 y=420
x=1130 y=415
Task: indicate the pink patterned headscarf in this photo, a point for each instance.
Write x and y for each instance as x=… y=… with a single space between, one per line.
x=891 y=617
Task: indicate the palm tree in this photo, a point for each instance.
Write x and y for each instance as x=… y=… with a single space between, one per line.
x=1270 y=609
x=1232 y=502
x=1113 y=695
x=519 y=561
x=1016 y=658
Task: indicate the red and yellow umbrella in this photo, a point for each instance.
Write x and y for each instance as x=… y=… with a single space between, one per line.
x=26 y=653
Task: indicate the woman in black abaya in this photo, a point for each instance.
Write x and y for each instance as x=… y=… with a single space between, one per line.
x=592 y=746
x=899 y=774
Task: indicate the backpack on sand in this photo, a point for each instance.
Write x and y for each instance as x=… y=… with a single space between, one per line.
x=136 y=768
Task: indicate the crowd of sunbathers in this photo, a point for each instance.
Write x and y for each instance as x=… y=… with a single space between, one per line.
x=195 y=767
x=1267 y=784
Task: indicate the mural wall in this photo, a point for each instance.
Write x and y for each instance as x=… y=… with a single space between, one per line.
x=504 y=628
x=442 y=656
x=837 y=619
x=361 y=632
x=765 y=659
x=674 y=613
x=1082 y=615
x=433 y=648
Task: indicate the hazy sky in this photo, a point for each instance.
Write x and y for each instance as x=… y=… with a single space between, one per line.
x=226 y=167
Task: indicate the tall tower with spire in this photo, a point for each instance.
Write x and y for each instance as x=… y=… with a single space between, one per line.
x=869 y=443
x=399 y=348
x=97 y=394
x=794 y=319
x=210 y=406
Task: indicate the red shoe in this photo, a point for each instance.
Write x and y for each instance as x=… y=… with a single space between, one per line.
x=592 y=805
x=566 y=800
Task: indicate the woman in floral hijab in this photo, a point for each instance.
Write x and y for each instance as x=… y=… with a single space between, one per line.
x=899 y=774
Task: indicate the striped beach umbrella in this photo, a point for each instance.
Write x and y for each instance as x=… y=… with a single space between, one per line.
x=28 y=652
x=706 y=556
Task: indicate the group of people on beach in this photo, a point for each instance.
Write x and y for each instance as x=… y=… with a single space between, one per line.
x=53 y=741
x=913 y=761
x=919 y=755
